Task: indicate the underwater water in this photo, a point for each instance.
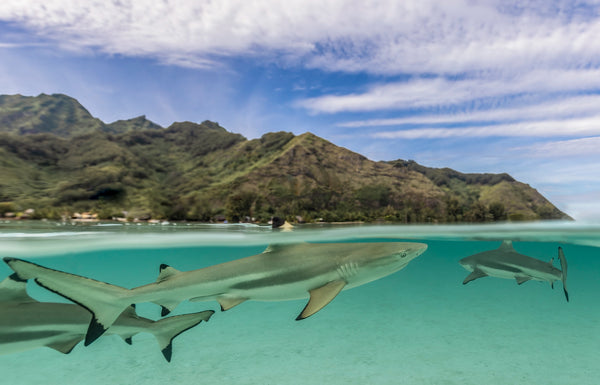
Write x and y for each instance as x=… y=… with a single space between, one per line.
x=420 y=325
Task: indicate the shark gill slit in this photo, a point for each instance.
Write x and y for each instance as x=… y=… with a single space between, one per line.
x=348 y=270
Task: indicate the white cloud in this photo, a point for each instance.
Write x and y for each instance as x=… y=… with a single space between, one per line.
x=567 y=107
x=564 y=148
x=385 y=37
x=436 y=92
x=545 y=128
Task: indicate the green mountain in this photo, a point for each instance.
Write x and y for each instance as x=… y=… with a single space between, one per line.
x=201 y=171
x=58 y=114
x=136 y=124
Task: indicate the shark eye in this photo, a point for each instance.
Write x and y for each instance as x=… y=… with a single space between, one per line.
x=403 y=254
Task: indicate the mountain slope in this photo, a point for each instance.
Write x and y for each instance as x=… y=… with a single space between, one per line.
x=201 y=171
x=58 y=114
x=136 y=124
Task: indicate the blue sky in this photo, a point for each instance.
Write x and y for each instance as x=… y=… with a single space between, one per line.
x=478 y=86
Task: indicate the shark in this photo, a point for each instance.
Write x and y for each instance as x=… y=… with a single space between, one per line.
x=317 y=271
x=27 y=324
x=506 y=262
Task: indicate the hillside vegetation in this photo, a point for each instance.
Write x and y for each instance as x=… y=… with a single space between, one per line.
x=57 y=159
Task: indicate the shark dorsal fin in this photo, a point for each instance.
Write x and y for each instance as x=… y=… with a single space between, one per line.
x=277 y=247
x=14 y=289
x=506 y=245
x=166 y=272
x=273 y=248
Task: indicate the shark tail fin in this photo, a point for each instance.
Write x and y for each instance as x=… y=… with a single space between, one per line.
x=563 y=266
x=105 y=301
x=166 y=329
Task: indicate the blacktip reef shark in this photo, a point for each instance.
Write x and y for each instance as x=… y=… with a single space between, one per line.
x=282 y=272
x=28 y=324
x=505 y=262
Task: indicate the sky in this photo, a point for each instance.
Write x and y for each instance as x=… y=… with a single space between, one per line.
x=477 y=86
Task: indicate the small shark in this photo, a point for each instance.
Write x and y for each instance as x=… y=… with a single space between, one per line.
x=28 y=324
x=505 y=262
x=282 y=272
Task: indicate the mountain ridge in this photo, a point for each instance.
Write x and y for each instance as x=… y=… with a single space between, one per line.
x=190 y=171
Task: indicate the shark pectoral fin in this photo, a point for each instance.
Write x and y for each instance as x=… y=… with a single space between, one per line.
x=227 y=303
x=521 y=280
x=66 y=346
x=474 y=275
x=320 y=297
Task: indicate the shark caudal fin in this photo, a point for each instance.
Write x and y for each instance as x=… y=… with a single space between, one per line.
x=563 y=266
x=105 y=301
x=166 y=329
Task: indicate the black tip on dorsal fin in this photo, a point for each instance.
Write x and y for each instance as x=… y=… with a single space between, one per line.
x=168 y=352
x=95 y=330
x=129 y=340
x=164 y=311
x=166 y=272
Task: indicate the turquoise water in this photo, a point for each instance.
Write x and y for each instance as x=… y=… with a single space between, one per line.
x=417 y=326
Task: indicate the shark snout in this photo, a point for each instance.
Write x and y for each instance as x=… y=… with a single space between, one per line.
x=414 y=251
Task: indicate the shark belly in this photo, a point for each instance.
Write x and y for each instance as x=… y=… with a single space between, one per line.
x=513 y=272
x=275 y=288
x=501 y=273
x=541 y=276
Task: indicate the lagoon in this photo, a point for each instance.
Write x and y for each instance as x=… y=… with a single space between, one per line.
x=417 y=326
